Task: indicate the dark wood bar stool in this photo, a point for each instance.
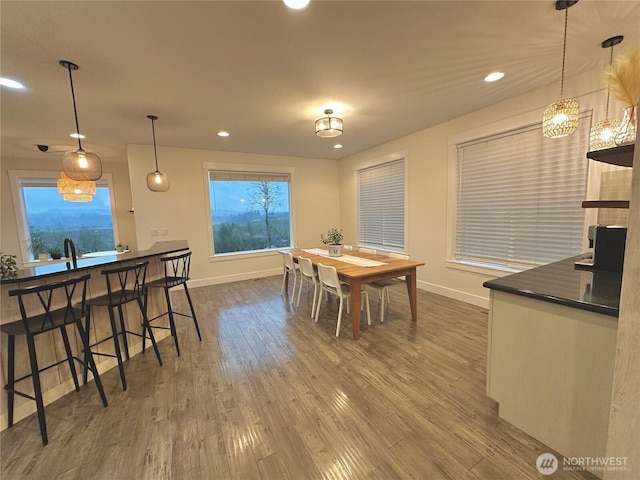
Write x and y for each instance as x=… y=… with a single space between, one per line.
x=124 y=285
x=176 y=273
x=45 y=308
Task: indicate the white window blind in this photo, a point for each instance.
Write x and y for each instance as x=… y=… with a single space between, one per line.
x=381 y=205
x=519 y=197
x=227 y=175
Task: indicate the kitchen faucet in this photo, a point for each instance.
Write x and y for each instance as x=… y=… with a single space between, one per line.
x=69 y=247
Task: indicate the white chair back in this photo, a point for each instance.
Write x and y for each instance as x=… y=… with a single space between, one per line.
x=401 y=256
x=368 y=250
x=329 y=279
x=287 y=260
x=306 y=268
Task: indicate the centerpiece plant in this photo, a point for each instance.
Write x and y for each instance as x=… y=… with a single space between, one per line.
x=333 y=240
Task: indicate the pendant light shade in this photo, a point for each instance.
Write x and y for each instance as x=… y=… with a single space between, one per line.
x=79 y=164
x=329 y=126
x=157 y=181
x=561 y=118
x=75 y=191
x=603 y=133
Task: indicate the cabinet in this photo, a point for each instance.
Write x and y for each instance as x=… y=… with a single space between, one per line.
x=621 y=156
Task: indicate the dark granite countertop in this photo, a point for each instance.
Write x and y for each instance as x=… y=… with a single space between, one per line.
x=560 y=282
x=84 y=263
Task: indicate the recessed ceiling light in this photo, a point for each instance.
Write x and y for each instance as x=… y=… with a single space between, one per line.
x=296 y=4
x=337 y=145
x=493 y=76
x=222 y=133
x=76 y=135
x=7 y=82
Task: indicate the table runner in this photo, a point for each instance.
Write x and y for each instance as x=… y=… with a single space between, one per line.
x=361 y=262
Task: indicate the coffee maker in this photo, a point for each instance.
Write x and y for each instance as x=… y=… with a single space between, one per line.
x=607 y=242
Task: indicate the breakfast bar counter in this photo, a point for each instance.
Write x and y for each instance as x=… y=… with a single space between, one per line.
x=551 y=351
x=57 y=382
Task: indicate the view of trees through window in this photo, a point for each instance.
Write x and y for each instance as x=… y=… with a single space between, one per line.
x=51 y=219
x=249 y=215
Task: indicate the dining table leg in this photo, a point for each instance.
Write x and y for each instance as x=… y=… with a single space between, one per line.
x=356 y=295
x=412 y=290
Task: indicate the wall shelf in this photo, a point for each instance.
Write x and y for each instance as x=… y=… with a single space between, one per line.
x=605 y=204
x=621 y=156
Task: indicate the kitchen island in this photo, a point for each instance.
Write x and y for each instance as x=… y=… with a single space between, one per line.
x=551 y=351
x=57 y=382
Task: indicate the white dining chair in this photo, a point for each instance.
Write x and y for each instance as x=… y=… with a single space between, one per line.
x=308 y=275
x=331 y=284
x=290 y=268
x=368 y=250
x=382 y=287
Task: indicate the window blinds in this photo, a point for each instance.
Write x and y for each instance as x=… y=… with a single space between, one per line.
x=228 y=175
x=381 y=205
x=519 y=197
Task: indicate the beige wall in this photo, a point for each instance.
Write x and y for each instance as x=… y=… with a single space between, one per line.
x=121 y=190
x=183 y=210
x=429 y=181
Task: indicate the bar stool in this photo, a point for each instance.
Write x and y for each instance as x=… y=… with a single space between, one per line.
x=41 y=313
x=124 y=284
x=176 y=273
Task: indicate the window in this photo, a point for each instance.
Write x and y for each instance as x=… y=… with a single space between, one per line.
x=45 y=219
x=381 y=205
x=518 y=198
x=250 y=211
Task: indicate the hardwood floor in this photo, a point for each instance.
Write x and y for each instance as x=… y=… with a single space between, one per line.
x=269 y=394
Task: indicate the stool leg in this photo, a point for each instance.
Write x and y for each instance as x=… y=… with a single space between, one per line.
x=147 y=327
x=116 y=345
x=172 y=323
x=90 y=361
x=67 y=348
x=123 y=332
x=193 y=312
x=11 y=375
x=37 y=388
x=87 y=346
x=145 y=305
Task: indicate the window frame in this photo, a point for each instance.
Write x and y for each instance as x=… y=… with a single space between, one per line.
x=248 y=168
x=18 y=177
x=496 y=128
x=375 y=162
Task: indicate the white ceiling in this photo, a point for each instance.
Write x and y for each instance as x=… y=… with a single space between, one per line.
x=265 y=72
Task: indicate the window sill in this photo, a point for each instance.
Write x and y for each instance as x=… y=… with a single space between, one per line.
x=225 y=257
x=482 y=269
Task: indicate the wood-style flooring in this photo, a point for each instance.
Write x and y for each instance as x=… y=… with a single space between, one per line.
x=269 y=394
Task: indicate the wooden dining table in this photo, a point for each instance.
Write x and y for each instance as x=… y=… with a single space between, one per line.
x=357 y=275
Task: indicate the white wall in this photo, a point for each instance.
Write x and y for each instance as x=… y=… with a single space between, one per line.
x=121 y=190
x=429 y=182
x=183 y=209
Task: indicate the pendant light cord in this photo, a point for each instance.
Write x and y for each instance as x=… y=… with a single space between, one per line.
x=564 y=51
x=75 y=111
x=609 y=83
x=155 y=152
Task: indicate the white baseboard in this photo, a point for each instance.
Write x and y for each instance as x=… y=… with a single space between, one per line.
x=476 y=300
x=235 y=278
x=426 y=286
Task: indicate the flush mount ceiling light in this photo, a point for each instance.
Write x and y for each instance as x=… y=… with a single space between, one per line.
x=157 y=181
x=603 y=133
x=493 y=77
x=78 y=164
x=75 y=191
x=9 y=83
x=296 y=4
x=561 y=118
x=328 y=126
x=223 y=133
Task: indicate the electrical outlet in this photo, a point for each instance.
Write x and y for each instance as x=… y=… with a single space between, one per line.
x=154 y=232
x=164 y=232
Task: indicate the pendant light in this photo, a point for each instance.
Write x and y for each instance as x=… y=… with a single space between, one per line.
x=561 y=118
x=157 y=181
x=328 y=126
x=76 y=191
x=603 y=133
x=79 y=164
